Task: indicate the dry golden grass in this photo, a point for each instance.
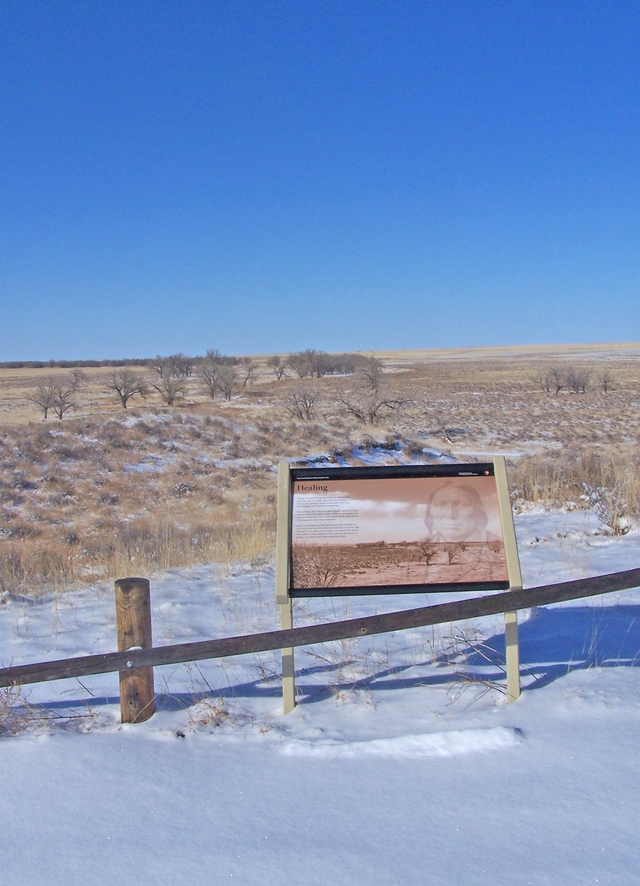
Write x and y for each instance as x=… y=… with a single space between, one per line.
x=107 y=491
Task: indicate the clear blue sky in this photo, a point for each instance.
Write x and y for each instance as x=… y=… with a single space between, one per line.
x=270 y=176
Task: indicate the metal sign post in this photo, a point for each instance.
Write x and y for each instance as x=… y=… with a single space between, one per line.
x=282 y=582
x=512 y=648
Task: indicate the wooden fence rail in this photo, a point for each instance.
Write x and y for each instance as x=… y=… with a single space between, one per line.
x=493 y=604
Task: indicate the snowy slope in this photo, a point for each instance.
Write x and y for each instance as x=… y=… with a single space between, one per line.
x=401 y=763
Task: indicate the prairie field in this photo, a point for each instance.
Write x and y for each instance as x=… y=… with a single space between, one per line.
x=183 y=472
x=417 y=563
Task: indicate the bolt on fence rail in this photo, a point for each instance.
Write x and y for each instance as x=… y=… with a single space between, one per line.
x=140 y=658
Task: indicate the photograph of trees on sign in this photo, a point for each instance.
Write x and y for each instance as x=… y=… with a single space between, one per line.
x=396 y=532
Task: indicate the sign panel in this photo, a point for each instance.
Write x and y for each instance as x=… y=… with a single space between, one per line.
x=381 y=530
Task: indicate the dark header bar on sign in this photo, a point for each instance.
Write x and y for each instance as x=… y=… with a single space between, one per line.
x=380 y=472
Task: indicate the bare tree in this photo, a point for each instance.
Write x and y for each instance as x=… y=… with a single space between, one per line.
x=453 y=549
x=126 y=384
x=171 y=383
x=300 y=404
x=608 y=381
x=227 y=381
x=249 y=369
x=370 y=404
x=441 y=428
x=309 y=363
x=208 y=372
x=58 y=394
x=429 y=551
x=218 y=374
x=317 y=567
x=78 y=379
x=279 y=369
x=543 y=379
x=370 y=373
x=170 y=388
x=161 y=366
x=299 y=363
x=577 y=379
x=43 y=397
x=184 y=365
x=177 y=364
x=557 y=379
x=371 y=409
x=64 y=398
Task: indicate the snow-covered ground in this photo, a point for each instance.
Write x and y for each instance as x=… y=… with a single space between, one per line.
x=400 y=765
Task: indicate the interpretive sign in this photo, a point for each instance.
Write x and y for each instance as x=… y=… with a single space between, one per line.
x=399 y=529
x=395 y=530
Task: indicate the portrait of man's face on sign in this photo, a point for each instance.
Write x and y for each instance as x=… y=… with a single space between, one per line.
x=456 y=513
x=400 y=532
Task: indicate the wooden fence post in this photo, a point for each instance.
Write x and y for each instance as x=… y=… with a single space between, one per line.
x=133 y=623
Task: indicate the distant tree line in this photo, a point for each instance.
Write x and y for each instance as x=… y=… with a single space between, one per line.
x=309 y=363
x=71 y=364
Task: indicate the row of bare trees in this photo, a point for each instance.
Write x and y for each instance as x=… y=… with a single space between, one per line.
x=315 y=364
x=223 y=375
x=368 y=400
x=219 y=375
x=574 y=379
x=216 y=377
x=303 y=364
